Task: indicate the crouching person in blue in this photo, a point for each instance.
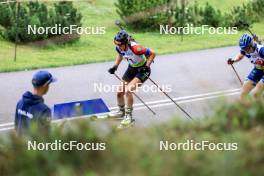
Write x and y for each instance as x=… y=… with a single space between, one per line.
x=31 y=108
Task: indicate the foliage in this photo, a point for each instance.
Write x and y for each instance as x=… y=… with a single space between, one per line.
x=211 y=16
x=180 y=13
x=136 y=151
x=145 y=14
x=38 y=14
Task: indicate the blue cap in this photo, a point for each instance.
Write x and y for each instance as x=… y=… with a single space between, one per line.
x=41 y=78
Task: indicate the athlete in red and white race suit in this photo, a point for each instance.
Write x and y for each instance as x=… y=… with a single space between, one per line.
x=138 y=71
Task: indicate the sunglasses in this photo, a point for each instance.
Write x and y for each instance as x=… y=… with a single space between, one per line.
x=247 y=49
x=117 y=43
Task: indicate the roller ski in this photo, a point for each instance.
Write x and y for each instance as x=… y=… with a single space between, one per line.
x=128 y=120
x=118 y=115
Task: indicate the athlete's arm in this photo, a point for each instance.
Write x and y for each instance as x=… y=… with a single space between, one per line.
x=118 y=60
x=239 y=57
x=150 y=58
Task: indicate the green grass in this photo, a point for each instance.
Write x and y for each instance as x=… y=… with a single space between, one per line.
x=222 y=5
x=100 y=48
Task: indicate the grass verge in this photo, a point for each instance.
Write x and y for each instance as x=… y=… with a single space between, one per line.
x=100 y=48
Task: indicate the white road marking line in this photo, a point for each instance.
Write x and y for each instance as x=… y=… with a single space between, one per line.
x=187 y=101
x=6 y=129
x=154 y=104
x=194 y=96
x=6 y=124
x=219 y=93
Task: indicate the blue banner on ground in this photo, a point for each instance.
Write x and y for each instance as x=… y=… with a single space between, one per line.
x=79 y=108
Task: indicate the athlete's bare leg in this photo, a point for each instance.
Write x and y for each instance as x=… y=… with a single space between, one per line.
x=121 y=94
x=132 y=86
x=258 y=90
x=246 y=88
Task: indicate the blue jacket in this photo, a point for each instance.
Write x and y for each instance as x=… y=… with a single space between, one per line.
x=31 y=108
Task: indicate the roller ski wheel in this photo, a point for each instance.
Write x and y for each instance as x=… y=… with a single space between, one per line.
x=126 y=123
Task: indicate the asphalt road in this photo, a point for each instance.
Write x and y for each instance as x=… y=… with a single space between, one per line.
x=190 y=75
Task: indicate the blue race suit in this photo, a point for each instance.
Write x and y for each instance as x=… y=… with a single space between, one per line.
x=257 y=73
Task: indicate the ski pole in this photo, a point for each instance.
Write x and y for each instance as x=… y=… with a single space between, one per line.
x=254 y=36
x=237 y=74
x=247 y=28
x=137 y=96
x=171 y=99
x=118 y=23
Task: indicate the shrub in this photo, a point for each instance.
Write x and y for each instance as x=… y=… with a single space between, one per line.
x=239 y=13
x=36 y=13
x=137 y=14
x=145 y=14
x=257 y=9
x=194 y=14
x=211 y=16
x=136 y=151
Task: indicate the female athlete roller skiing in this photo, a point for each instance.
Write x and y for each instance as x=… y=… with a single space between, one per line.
x=255 y=54
x=139 y=60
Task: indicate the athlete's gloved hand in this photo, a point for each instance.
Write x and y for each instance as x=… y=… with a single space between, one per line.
x=259 y=62
x=144 y=69
x=112 y=69
x=230 y=61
